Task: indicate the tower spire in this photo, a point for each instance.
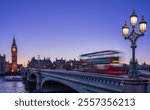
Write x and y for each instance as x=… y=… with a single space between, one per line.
x=14 y=40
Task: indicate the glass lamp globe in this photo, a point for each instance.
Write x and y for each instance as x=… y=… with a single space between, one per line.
x=133 y=18
x=142 y=25
x=125 y=30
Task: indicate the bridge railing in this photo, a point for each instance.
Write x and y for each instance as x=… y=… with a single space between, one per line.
x=104 y=82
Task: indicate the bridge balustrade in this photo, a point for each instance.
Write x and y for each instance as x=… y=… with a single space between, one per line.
x=90 y=82
x=104 y=82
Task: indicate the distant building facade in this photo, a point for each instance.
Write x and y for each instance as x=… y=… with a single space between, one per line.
x=2 y=64
x=72 y=65
x=145 y=66
x=38 y=63
x=57 y=64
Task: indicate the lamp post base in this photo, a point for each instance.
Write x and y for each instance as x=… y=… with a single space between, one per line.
x=133 y=73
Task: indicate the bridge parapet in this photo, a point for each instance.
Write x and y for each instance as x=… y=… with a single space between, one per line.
x=90 y=82
x=99 y=82
x=94 y=78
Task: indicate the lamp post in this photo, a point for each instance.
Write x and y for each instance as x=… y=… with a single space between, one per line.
x=132 y=37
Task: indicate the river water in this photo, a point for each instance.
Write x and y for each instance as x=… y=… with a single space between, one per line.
x=11 y=86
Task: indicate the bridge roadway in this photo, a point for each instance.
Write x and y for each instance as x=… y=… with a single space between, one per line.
x=73 y=81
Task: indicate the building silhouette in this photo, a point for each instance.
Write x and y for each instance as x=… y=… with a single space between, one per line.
x=39 y=63
x=46 y=63
x=59 y=63
x=72 y=64
x=2 y=64
x=14 y=56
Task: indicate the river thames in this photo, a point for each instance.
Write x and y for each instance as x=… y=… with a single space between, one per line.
x=11 y=86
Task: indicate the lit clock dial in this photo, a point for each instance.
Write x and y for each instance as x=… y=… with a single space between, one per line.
x=14 y=49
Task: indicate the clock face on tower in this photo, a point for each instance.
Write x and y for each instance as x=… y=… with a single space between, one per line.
x=14 y=49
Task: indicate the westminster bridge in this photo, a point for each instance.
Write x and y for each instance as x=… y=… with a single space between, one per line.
x=63 y=81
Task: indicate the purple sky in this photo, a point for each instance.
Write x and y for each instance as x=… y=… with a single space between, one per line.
x=69 y=28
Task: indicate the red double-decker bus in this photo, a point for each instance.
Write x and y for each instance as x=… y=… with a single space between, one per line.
x=102 y=62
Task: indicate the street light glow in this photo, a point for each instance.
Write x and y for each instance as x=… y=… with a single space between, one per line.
x=133 y=18
x=142 y=25
x=125 y=30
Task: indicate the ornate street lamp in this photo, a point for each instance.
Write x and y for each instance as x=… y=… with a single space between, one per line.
x=133 y=36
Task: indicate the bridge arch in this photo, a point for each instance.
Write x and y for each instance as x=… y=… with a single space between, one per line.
x=32 y=81
x=58 y=86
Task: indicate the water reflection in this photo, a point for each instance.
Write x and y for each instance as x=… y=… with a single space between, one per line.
x=11 y=86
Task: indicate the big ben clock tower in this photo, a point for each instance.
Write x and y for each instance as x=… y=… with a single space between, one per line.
x=14 y=56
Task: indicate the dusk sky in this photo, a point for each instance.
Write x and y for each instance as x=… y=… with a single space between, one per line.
x=69 y=28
